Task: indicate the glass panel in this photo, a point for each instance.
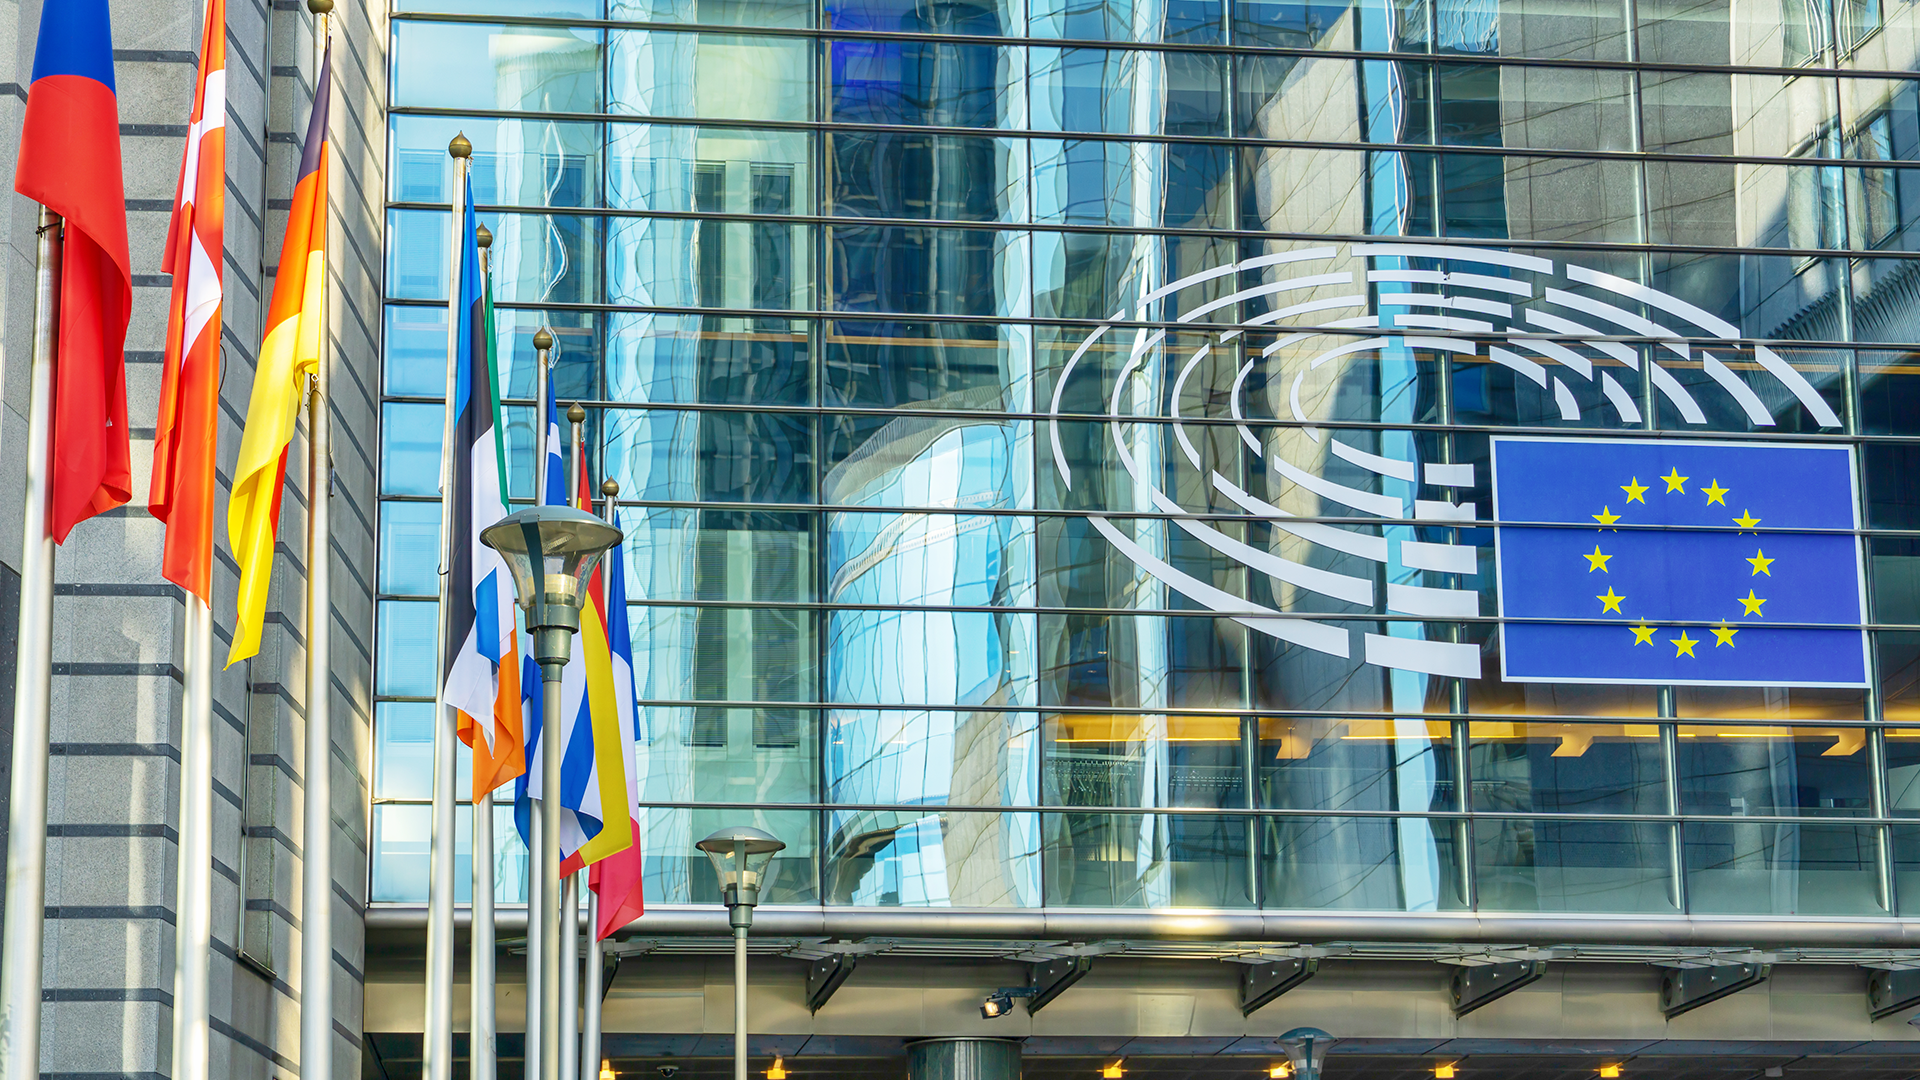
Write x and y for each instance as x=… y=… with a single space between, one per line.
x=1302 y=190
x=1581 y=30
x=672 y=456
x=1299 y=24
x=992 y=19
x=410 y=548
x=1882 y=118
x=1903 y=772
x=1899 y=659
x=403 y=750
x=1356 y=764
x=1544 y=107
x=1779 y=868
x=1491 y=694
x=718 y=555
x=929 y=758
x=417 y=258
x=1142 y=185
x=1366 y=864
x=416 y=350
x=575 y=360
x=1769 y=703
x=680 y=168
x=1105 y=760
x=410 y=436
x=561 y=9
x=714 y=754
x=509 y=859
x=928 y=460
x=1547 y=865
x=402 y=854
x=1147 y=861
x=672 y=359
x=514 y=162
x=1905 y=841
x=662 y=262
x=1894 y=563
x=1142 y=661
x=404 y=661
x=1128 y=92
x=1889 y=393
x=930 y=560
x=716 y=12
x=726 y=653
x=1759 y=35
x=940 y=177
x=926 y=83
x=1879 y=312
x=921 y=271
x=1766 y=296
x=1892 y=484
x=1762 y=771
x=724 y=76
x=933 y=859
x=677 y=873
x=1192 y=21
x=944 y=366
x=967 y=658
x=1745 y=114
x=515 y=68
x=1567 y=768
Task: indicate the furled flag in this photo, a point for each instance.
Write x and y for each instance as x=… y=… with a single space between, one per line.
x=290 y=353
x=618 y=877
x=553 y=492
x=481 y=671
x=187 y=435
x=70 y=163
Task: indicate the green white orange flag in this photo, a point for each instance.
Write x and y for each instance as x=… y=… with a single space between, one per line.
x=288 y=356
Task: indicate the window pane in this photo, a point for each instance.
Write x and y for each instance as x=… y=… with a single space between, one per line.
x=922 y=271
x=676 y=873
x=1356 y=764
x=724 y=654
x=662 y=262
x=680 y=168
x=410 y=548
x=1128 y=92
x=970 y=658
x=663 y=455
x=1760 y=771
x=710 y=753
x=1195 y=21
x=1365 y=864
x=931 y=560
x=931 y=757
x=716 y=12
x=1903 y=772
x=514 y=162
x=933 y=859
x=410 y=436
x=416 y=351
x=404 y=664
x=1545 y=865
x=402 y=853
x=938 y=177
x=931 y=83
x=1142 y=661
x=992 y=19
x=474 y=66
x=911 y=365
x=403 y=750
x=1567 y=768
x=1147 y=861
x=668 y=359
x=1776 y=868
x=718 y=555
x=725 y=76
x=1146 y=761
x=920 y=461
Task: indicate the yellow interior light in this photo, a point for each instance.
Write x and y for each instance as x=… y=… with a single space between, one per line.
x=606 y=1070
x=777 y=1072
x=1444 y=1072
x=1112 y=1072
x=1609 y=1072
x=1280 y=1071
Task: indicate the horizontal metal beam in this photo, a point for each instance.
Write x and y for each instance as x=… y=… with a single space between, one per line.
x=1247 y=926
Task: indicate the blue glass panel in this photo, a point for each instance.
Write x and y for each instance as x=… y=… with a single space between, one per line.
x=403 y=752
x=416 y=351
x=673 y=359
x=980 y=18
x=930 y=757
x=676 y=873
x=724 y=76
x=711 y=753
x=1187 y=21
x=1365 y=864
x=944 y=366
x=1146 y=761
x=680 y=168
x=402 y=854
x=924 y=271
x=663 y=262
x=716 y=12
x=962 y=658
x=687 y=555
x=515 y=162
x=934 y=859
x=926 y=83
x=410 y=548
x=939 y=177
x=1128 y=92
x=410 y=437
x=1143 y=185
x=476 y=66
x=404 y=663
x=724 y=654
x=672 y=456
x=1357 y=764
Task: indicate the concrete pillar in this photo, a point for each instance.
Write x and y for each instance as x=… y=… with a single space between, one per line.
x=963 y=1059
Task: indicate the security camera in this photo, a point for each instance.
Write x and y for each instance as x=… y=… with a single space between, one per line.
x=669 y=1071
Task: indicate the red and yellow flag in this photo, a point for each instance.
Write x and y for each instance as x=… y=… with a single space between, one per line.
x=187 y=436
x=290 y=353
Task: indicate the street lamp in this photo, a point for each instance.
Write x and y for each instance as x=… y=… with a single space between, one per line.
x=1306 y=1051
x=551 y=552
x=740 y=856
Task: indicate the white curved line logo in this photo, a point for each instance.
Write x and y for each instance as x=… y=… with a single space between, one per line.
x=1473 y=291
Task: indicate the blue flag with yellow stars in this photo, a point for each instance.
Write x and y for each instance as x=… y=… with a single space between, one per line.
x=1683 y=562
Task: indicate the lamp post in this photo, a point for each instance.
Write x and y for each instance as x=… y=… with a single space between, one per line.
x=1306 y=1050
x=551 y=552
x=740 y=856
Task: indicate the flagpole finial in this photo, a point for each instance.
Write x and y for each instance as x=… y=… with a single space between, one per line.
x=460 y=147
x=320 y=7
x=542 y=340
x=576 y=414
x=483 y=236
x=610 y=488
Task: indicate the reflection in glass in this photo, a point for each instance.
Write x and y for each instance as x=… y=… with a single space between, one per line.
x=1567 y=768
x=1128 y=92
x=1903 y=772
x=476 y=66
x=402 y=857
x=933 y=859
x=715 y=12
x=1144 y=761
x=724 y=76
x=924 y=271
x=1548 y=865
x=1889 y=392
x=1315 y=764
x=404 y=662
x=930 y=757
x=1743 y=771
x=970 y=658
x=1782 y=868
x=926 y=83
x=1147 y=861
x=677 y=168
x=716 y=554
x=715 y=754
x=671 y=359
x=1905 y=843
x=514 y=162
x=1364 y=864
x=890 y=174
x=416 y=350
x=724 y=654
x=908 y=365
x=1145 y=185
x=410 y=435
x=672 y=456
x=1195 y=21
x=409 y=548
x=677 y=874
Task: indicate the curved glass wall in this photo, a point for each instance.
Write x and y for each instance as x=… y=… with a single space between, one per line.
x=1076 y=452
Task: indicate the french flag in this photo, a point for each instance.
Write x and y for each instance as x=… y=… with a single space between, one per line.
x=70 y=164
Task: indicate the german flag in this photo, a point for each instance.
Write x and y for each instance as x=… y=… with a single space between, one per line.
x=290 y=354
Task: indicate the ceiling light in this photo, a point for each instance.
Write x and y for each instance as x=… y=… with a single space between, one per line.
x=1610 y=1072
x=1444 y=1072
x=606 y=1070
x=1280 y=1071
x=1113 y=1071
x=778 y=1071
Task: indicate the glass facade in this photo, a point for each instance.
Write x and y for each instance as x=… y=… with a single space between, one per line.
x=1059 y=436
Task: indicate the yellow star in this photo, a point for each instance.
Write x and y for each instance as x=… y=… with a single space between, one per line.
x=1761 y=562
x=1716 y=493
x=1597 y=561
x=1676 y=482
x=1724 y=633
x=1643 y=634
x=1606 y=516
x=1683 y=645
x=1746 y=520
x=1635 y=490
x=1752 y=604
x=1610 y=601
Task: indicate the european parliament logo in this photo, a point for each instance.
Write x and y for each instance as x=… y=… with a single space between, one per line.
x=1678 y=562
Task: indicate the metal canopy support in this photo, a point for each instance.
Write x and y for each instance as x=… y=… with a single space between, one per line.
x=1051 y=979
x=1261 y=983
x=1686 y=989
x=825 y=975
x=1484 y=984
x=1889 y=992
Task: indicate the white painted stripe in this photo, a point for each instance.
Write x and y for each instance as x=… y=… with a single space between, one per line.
x=1364 y=501
x=1440 y=558
x=1427 y=657
x=1796 y=382
x=1059 y=388
x=1458 y=254
x=1533 y=371
x=1664 y=382
x=1374 y=463
x=1443 y=322
x=1372 y=548
x=1435 y=603
x=1454 y=303
x=1553 y=350
x=1443 y=475
x=1436 y=510
x=1563 y=397
x=1617 y=315
x=1268 y=289
x=1742 y=393
x=1459 y=281
x=1622 y=401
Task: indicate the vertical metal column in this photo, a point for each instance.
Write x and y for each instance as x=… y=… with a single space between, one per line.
x=963 y=1059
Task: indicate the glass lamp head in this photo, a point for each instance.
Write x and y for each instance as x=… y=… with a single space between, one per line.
x=1306 y=1050
x=551 y=552
x=740 y=855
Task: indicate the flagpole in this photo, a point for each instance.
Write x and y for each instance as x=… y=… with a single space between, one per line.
x=570 y=888
x=480 y=1025
x=193 y=891
x=25 y=929
x=437 y=1043
x=316 y=899
x=590 y=981
x=538 y=898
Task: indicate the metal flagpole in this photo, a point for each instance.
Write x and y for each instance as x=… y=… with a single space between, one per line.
x=480 y=1026
x=556 y=1028
x=437 y=1046
x=20 y=951
x=570 y=977
x=537 y=894
x=316 y=900
x=590 y=979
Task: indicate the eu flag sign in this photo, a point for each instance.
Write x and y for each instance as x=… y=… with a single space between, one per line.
x=1723 y=563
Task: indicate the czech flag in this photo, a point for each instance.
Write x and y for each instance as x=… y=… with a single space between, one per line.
x=70 y=163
